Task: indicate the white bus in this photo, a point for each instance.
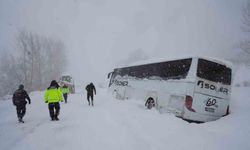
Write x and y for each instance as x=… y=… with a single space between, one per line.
x=195 y=88
x=67 y=80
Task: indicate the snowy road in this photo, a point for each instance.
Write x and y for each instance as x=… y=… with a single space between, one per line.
x=120 y=125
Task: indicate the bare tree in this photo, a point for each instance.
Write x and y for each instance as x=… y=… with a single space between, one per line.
x=54 y=58
x=43 y=59
x=39 y=60
x=245 y=45
x=9 y=75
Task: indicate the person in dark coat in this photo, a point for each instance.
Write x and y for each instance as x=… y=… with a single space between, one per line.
x=19 y=100
x=90 y=92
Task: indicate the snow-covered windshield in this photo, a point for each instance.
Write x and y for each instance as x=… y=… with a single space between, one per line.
x=214 y=72
x=66 y=78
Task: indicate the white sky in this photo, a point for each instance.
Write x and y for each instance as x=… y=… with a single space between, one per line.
x=100 y=33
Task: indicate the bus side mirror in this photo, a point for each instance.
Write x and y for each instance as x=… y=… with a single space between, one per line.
x=109 y=75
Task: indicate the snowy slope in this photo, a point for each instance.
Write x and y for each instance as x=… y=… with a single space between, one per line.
x=123 y=125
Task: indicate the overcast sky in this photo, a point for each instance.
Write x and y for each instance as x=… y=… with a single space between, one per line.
x=99 y=34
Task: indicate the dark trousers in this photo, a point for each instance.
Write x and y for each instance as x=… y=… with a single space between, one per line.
x=65 y=97
x=20 y=109
x=54 y=109
x=90 y=96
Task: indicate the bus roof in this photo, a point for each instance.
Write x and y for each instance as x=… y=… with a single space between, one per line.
x=159 y=60
x=65 y=74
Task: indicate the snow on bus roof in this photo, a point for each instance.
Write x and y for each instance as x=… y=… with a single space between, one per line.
x=219 y=60
x=158 y=60
x=65 y=74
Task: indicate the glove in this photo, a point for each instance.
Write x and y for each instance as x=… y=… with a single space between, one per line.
x=46 y=101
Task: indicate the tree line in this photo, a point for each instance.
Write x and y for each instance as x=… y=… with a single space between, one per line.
x=245 y=44
x=35 y=62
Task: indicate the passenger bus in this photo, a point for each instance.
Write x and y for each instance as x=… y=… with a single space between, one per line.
x=68 y=81
x=194 y=88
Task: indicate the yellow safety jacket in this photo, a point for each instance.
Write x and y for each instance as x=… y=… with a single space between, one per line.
x=65 y=90
x=52 y=95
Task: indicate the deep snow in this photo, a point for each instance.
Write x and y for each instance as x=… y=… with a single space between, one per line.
x=121 y=125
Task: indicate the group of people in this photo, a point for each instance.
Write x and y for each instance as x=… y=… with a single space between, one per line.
x=53 y=95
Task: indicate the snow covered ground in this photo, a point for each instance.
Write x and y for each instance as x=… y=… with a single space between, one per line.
x=121 y=125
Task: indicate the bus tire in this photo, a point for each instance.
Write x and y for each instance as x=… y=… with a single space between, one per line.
x=150 y=103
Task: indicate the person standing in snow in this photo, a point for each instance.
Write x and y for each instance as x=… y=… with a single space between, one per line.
x=53 y=96
x=19 y=100
x=90 y=92
x=65 y=91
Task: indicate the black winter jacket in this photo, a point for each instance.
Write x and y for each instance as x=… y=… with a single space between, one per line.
x=19 y=97
x=90 y=88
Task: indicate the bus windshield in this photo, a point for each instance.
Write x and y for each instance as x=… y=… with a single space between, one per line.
x=66 y=78
x=214 y=72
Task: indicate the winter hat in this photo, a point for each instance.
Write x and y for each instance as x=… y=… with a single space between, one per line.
x=21 y=86
x=53 y=83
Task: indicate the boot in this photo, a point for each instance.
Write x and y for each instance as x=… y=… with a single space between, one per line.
x=20 y=120
x=56 y=118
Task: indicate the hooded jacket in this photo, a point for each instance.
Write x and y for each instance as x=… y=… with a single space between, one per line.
x=20 y=96
x=65 y=90
x=53 y=94
x=90 y=89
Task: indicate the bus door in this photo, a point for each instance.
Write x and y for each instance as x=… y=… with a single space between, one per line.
x=119 y=92
x=120 y=89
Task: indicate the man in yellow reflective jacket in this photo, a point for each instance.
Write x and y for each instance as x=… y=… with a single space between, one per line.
x=65 y=91
x=53 y=96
